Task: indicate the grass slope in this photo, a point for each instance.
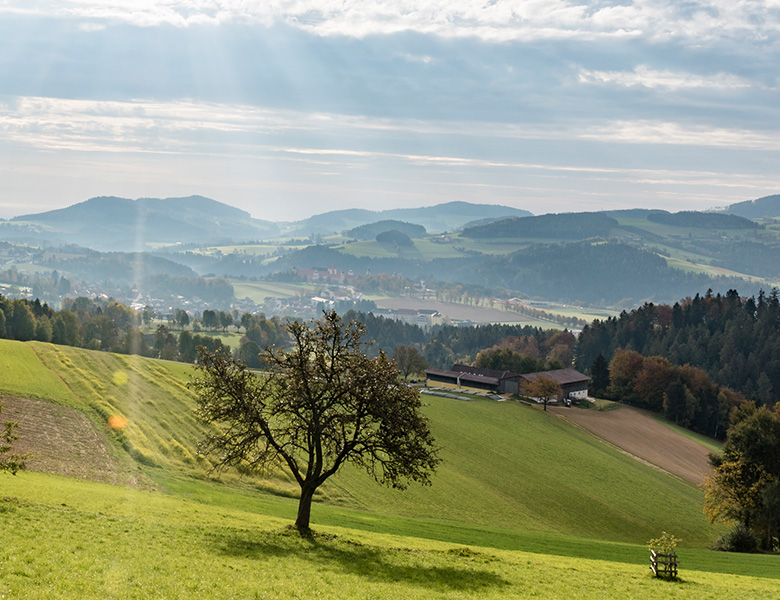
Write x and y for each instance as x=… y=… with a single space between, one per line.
x=505 y=466
x=65 y=538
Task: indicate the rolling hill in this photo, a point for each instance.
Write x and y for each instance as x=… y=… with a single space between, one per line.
x=508 y=465
x=768 y=206
x=121 y=224
x=441 y=217
x=543 y=508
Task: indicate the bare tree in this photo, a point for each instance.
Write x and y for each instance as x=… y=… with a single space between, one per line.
x=321 y=404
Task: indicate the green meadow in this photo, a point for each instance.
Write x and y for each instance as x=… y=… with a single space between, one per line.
x=523 y=505
x=258 y=291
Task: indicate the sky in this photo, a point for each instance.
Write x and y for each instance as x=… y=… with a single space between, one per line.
x=288 y=108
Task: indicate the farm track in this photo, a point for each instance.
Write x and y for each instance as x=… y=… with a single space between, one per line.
x=639 y=435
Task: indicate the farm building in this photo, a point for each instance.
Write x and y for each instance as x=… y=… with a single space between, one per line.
x=573 y=383
x=464 y=377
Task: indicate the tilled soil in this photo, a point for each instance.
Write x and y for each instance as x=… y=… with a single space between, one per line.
x=637 y=433
x=62 y=440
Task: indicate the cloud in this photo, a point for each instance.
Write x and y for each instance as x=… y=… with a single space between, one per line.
x=644 y=76
x=496 y=21
x=181 y=126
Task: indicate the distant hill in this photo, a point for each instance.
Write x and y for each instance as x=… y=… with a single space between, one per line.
x=371 y=230
x=564 y=226
x=110 y=223
x=689 y=218
x=602 y=274
x=768 y=206
x=122 y=224
x=441 y=217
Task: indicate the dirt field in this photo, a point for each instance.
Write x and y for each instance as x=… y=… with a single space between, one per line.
x=62 y=440
x=640 y=435
x=478 y=314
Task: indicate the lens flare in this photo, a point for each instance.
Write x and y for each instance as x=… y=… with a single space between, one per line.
x=117 y=422
x=120 y=378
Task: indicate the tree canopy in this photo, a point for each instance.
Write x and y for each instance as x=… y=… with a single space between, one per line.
x=319 y=405
x=744 y=483
x=542 y=387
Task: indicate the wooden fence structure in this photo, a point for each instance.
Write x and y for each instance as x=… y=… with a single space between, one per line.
x=663 y=565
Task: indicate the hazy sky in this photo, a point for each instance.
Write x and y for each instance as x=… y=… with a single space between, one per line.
x=288 y=108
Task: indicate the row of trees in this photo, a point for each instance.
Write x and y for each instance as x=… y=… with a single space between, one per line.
x=444 y=345
x=97 y=325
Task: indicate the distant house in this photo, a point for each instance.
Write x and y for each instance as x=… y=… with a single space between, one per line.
x=423 y=318
x=476 y=379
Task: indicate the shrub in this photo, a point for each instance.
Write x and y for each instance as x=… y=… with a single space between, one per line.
x=664 y=544
x=739 y=539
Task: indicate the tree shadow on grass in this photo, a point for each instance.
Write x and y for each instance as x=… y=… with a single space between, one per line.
x=463 y=570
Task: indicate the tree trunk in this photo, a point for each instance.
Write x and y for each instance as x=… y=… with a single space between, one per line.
x=304 y=510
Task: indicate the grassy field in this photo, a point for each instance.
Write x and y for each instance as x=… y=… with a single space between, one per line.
x=523 y=505
x=258 y=291
x=65 y=538
x=509 y=465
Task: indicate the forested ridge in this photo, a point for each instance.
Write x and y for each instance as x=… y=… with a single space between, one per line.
x=603 y=274
x=733 y=339
x=565 y=226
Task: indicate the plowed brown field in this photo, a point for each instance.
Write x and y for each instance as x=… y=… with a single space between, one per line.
x=60 y=439
x=638 y=434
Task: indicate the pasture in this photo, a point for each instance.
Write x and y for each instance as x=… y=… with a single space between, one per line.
x=524 y=504
x=66 y=538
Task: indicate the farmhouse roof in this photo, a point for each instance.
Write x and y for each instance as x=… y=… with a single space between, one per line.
x=479 y=371
x=562 y=376
x=463 y=376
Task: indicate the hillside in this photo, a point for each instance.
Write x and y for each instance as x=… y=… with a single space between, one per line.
x=688 y=218
x=371 y=230
x=602 y=274
x=441 y=217
x=565 y=226
x=122 y=224
x=106 y=541
x=509 y=466
x=768 y=206
x=524 y=505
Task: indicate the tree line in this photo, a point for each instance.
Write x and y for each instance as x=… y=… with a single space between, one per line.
x=732 y=338
x=112 y=326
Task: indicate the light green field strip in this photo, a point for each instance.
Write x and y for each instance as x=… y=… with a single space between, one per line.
x=23 y=374
x=712 y=445
x=258 y=291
